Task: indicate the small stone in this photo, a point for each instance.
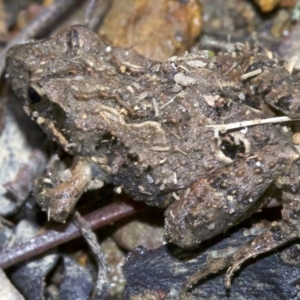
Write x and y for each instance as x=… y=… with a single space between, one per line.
x=184 y=80
x=65 y=175
x=296 y=138
x=196 y=63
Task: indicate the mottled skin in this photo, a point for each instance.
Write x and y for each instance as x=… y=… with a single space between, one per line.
x=141 y=125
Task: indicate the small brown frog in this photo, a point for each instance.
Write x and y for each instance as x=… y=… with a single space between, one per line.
x=144 y=126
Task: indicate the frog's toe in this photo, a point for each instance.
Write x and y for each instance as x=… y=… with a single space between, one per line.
x=231 y=270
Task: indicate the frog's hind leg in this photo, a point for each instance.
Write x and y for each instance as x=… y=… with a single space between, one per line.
x=279 y=233
x=271 y=239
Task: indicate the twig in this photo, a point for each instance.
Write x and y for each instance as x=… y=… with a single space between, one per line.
x=242 y=124
x=102 y=283
x=62 y=233
x=89 y=11
x=251 y=74
x=95 y=12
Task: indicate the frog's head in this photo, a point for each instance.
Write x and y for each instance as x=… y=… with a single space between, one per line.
x=46 y=75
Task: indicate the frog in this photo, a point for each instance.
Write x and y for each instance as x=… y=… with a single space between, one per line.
x=148 y=128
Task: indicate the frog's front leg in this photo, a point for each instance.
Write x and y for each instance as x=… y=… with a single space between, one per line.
x=58 y=196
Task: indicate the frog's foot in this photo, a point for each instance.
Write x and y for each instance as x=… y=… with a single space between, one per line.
x=279 y=234
x=211 y=268
x=59 y=197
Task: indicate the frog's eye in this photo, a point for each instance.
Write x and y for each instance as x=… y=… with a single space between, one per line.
x=37 y=98
x=72 y=39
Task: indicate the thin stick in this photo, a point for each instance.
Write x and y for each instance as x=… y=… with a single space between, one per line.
x=251 y=74
x=89 y=11
x=62 y=233
x=102 y=283
x=224 y=127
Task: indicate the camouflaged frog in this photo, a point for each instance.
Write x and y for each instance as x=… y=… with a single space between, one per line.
x=144 y=126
